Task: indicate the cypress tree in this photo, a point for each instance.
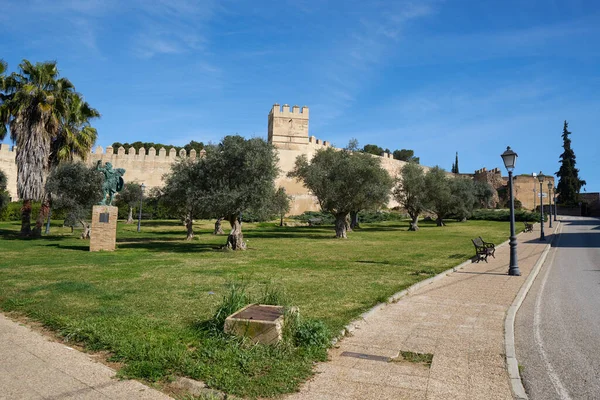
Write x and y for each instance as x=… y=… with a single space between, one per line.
x=454 y=169
x=569 y=183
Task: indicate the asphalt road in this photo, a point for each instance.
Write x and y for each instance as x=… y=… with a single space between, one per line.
x=558 y=326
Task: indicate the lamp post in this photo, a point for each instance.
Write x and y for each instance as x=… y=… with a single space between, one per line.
x=510 y=158
x=541 y=180
x=534 y=191
x=550 y=202
x=554 y=198
x=143 y=187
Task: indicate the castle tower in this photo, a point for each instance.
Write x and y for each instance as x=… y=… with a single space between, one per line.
x=288 y=129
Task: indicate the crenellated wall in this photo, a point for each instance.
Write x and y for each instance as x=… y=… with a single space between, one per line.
x=287 y=131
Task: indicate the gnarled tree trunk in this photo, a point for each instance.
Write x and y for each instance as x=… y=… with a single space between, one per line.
x=414 y=223
x=340 y=226
x=354 y=220
x=218 y=227
x=130 y=216
x=189 y=226
x=86 y=229
x=26 y=218
x=41 y=218
x=235 y=240
x=440 y=221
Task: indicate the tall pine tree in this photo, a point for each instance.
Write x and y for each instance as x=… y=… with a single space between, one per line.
x=569 y=183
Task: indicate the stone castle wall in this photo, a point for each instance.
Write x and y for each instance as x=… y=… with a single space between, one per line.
x=8 y=165
x=288 y=132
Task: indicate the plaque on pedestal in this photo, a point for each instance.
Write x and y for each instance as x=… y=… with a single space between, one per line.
x=104 y=228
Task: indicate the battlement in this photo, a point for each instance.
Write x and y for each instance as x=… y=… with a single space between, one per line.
x=295 y=112
x=318 y=143
x=150 y=155
x=288 y=129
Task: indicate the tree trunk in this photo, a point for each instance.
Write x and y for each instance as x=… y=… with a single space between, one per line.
x=86 y=230
x=440 y=221
x=235 y=240
x=354 y=220
x=130 y=216
x=26 y=218
x=340 y=226
x=189 y=226
x=218 y=227
x=414 y=223
x=41 y=218
x=47 y=231
x=347 y=223
x=281 y=220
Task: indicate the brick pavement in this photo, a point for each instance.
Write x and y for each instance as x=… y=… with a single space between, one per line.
x=459 y=319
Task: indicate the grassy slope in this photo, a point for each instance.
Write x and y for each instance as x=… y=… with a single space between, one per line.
x=145 y=301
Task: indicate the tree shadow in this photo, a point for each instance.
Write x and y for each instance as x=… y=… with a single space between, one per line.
x=15 y=235
x=83 y=247
x=171 y=246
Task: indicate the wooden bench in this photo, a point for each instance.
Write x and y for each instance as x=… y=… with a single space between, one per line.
x=528 y=227
x=483 y=249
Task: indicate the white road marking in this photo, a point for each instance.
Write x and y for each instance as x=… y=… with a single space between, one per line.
x=558 y=386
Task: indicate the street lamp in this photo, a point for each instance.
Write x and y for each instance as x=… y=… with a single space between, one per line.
x=550 y=202
x=534 y=191
x=554 y=198
x=143 y=187
x=510 y=158
x=541 y=180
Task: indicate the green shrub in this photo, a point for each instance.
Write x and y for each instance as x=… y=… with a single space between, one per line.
x=326 y=218
x=504 y=215
x=311 y=333
x=379 y=216
x=235 y=298
x=297 y=332
x=363 y=216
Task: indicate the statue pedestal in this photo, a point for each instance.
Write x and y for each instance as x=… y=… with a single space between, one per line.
x=104 y=228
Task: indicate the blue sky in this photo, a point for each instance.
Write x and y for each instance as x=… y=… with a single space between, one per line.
x=433 y=76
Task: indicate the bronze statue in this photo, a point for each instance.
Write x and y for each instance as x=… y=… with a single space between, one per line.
x=113 y=181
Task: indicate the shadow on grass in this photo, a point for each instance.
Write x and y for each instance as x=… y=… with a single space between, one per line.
x=15 y=235
x=170 y=247
x=374 y=262
x=85 y=246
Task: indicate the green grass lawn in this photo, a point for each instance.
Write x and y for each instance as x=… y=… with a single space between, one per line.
x=145 y=302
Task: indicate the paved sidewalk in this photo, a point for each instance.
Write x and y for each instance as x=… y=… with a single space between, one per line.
x=33 y=367
x=459 y=319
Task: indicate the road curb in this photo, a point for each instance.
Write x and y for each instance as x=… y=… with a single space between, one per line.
x=352 y=326
x=512 y=364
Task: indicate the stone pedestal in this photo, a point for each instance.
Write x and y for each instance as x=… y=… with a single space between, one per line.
x=261 y=323
x=104 y=228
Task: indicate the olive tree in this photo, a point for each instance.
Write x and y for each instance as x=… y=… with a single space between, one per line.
x=280 y=204
x=343 y=182
x=75 y=189
x=484 y=193
x=239 y=175
x=438 y=194
x=463 y=197
x=130 y=197
x=182 y=193
x=410 y=192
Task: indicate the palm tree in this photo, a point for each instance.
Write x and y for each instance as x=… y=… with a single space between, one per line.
x=35 y=101
x=76 y=136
